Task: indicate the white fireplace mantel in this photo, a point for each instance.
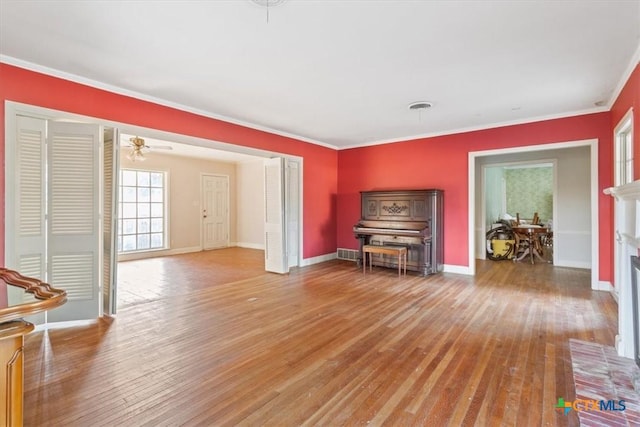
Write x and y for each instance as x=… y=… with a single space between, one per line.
x=626 y=244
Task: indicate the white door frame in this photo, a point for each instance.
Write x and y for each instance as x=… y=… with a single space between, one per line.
x=593 y=145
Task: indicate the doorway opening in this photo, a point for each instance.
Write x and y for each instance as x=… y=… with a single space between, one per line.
x=579 y=223
x=104 y=286
x=521 y=191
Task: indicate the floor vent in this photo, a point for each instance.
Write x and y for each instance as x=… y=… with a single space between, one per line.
x=348 y=254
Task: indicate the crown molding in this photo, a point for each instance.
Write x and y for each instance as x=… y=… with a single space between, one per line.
x=144 y=97
x=480 y=127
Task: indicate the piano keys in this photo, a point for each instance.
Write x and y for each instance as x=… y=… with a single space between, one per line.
x=409 y=218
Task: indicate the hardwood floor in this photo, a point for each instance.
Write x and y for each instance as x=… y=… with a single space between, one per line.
x=323 y=345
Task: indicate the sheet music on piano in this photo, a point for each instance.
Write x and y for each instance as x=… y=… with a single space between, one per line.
x=410 y=218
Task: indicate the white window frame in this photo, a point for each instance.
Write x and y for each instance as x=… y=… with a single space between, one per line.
x=623 y=140
x=121 y=217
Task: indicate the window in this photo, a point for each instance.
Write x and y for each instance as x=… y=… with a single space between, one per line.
x=624 y=150
x=141 y=222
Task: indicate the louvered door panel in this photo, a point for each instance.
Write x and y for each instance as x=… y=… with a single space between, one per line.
x=275 y=236
x=292 y=203
x=25 y=223
x=75 y=271
x=109 y=230
x=72 y=166
x=30 y=175
x=29 y=232
x=74 y=239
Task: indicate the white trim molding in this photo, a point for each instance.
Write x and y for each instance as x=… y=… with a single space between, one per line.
x=154 y=254
x=594 y=192
x=250 y=245
x=318 y=259
x=458 y=269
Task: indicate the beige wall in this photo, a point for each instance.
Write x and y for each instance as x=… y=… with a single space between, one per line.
x=250 y=189
x=184 y=174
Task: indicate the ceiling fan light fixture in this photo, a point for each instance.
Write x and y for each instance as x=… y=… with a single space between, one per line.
x=420 y=105
x=136 y=155
x=137 y=144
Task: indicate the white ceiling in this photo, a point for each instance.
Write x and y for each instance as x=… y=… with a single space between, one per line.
x=338 y=73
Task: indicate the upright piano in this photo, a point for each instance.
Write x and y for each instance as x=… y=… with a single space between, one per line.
x=409 y=218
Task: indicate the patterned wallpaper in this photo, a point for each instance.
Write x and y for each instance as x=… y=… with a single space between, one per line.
x=530 y=190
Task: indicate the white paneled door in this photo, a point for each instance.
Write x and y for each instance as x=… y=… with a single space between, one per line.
x=215 y=211
x=56 y=215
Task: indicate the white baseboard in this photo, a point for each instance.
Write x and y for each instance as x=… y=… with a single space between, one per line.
x=458 y=269
x=604 y=286
x=154 y=254
x=250 y=245
x=318 y=259
x=607 y=286
x=572 y=264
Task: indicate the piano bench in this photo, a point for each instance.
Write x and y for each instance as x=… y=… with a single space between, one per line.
x=399 y=251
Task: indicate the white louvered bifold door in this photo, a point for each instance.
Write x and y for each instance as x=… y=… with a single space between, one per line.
x=74 y=225
x=274 y=227
x=292 y=202
x=109 y=223
x=25 y=223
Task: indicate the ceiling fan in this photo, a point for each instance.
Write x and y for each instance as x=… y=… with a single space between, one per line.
x=139 y=148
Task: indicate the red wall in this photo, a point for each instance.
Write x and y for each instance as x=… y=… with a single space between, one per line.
x=442 y=162
x=333 y=179
x=630 y=97
x=320 y=164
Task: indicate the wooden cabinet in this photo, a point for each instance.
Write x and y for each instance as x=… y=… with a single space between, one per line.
x=11 y=372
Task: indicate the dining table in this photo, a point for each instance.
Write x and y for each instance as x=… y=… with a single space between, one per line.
x=531 y=234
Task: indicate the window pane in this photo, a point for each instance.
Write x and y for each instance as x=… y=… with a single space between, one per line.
x=156 y=210
x=144 y=210
x=156 y=225
x=143 y=179
x=143 y=241
x=157 y=179
x=129 y=226
x=128 y=210
x=128 y=194
x=143 y=194
x=143 y=226
x=156 y=240
x=157 y=194
x=129 y=243
x=128 y=177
